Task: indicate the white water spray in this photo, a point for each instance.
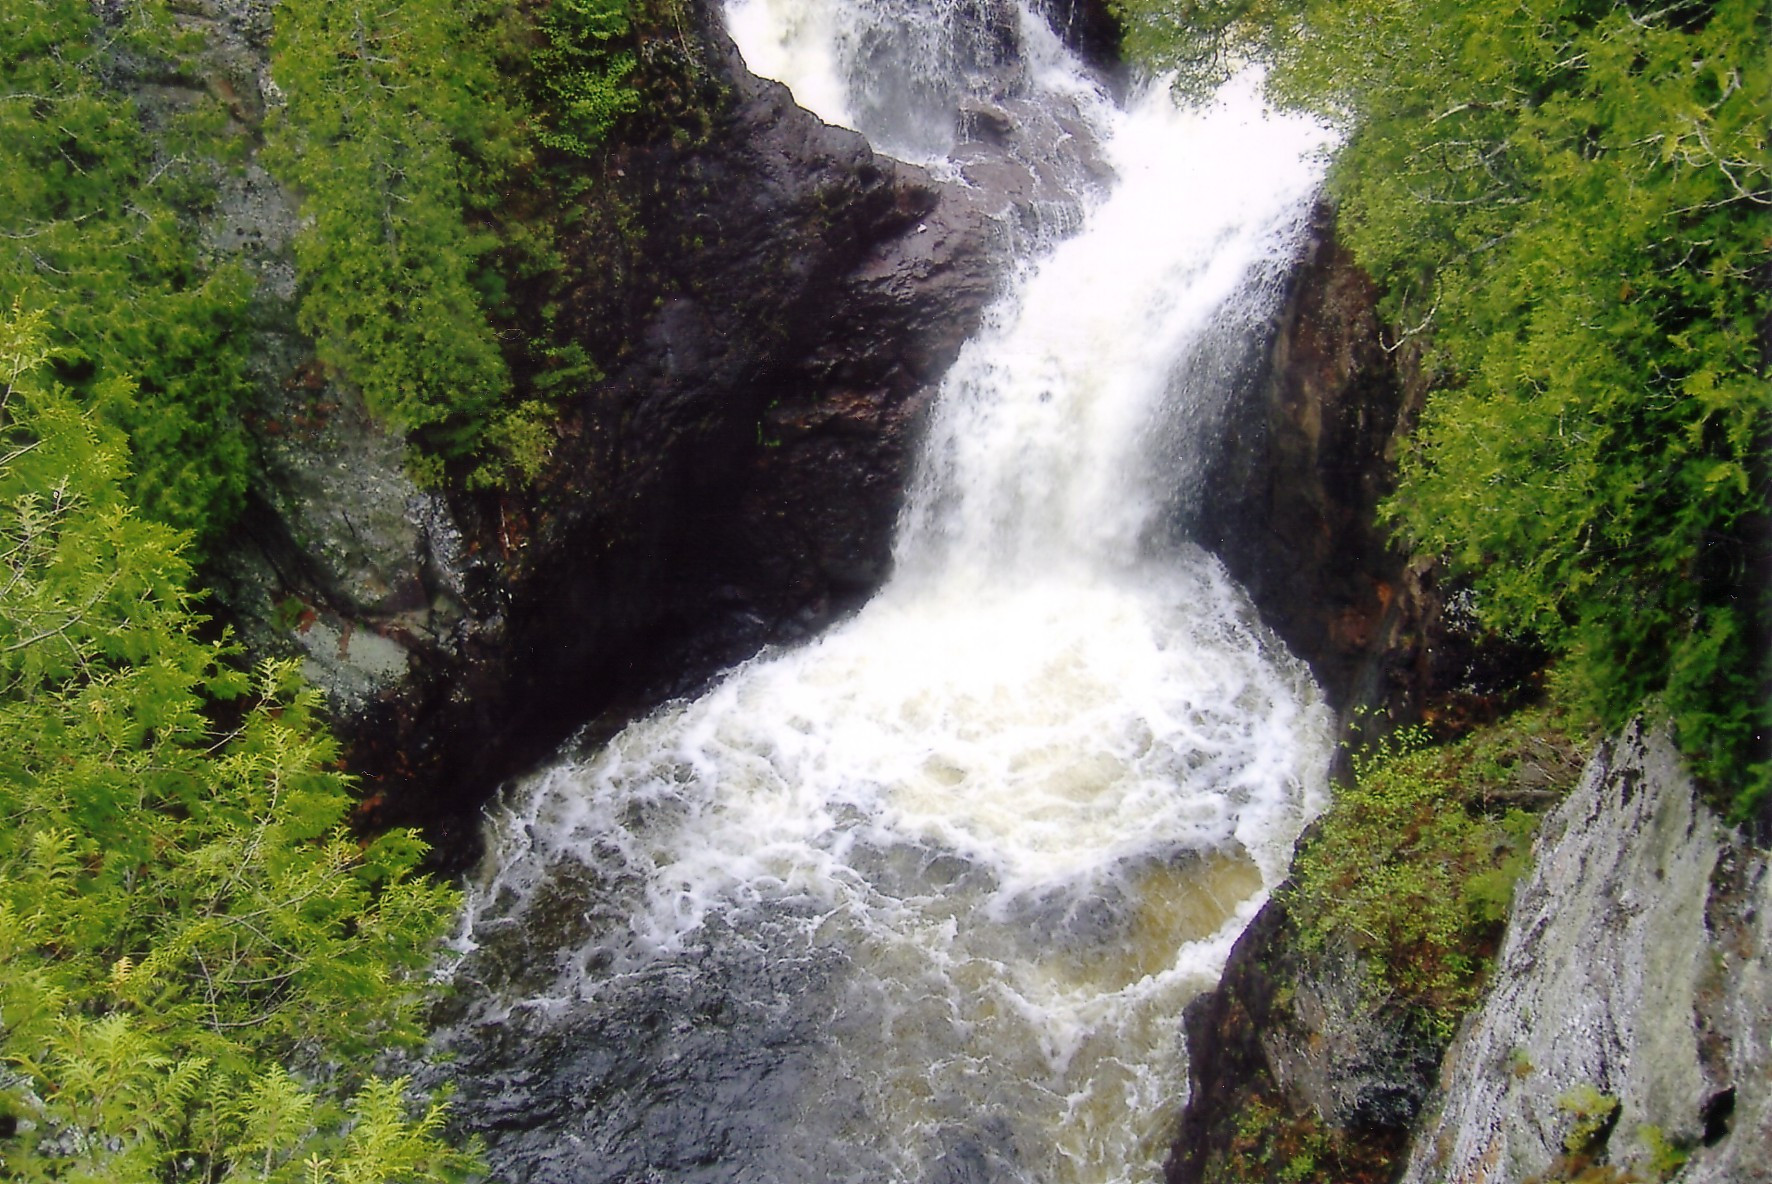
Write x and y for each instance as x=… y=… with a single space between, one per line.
x=1016 y=809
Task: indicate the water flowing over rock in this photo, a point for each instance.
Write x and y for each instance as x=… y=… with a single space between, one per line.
x=1005 y=819
x=1290 y=498
x=780 y=321
x=785 y=315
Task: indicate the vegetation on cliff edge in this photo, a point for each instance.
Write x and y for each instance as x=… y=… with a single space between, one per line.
x=1391 y=919
x=440 y=148
x=96 y=222
x=1567 y=203
x=198 y=961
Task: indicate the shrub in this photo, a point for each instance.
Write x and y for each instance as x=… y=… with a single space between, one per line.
x=197 y=959
x=97 y=221
x=1415 y=863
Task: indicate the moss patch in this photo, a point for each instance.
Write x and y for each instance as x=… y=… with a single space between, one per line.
x=1414 y=865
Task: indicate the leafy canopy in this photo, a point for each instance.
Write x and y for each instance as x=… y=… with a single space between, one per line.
x=96 y=220
x=395 y=123
x=197 y=960
x=1567 y=201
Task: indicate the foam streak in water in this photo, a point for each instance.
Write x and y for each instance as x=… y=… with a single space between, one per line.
x=1001 y=824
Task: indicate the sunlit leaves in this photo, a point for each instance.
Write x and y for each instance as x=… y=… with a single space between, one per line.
x=197 y=963
x=583 y=73
x=1568 y=203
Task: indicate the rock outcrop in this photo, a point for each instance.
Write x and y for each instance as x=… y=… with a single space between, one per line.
x=1291 y=502
x=1627 y=1029
x=777 y=303
x=1298 y=1057
x=1301 y=461
x=1629 y=1021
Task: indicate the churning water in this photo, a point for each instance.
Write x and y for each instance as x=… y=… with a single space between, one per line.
x=922 y=900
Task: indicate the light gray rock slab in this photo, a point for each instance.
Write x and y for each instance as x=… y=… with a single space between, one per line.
x=1635 y=967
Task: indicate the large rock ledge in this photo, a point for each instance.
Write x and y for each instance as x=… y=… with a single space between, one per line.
x=778 y=321
x=1629 y=1017
x=1303 y=457
x=1631 y=1008
x=1290 y=504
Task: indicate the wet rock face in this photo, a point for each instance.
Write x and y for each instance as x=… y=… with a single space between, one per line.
x=1291 y=505
x=1308 y=1039
x=790 y=305
x=1300 y=465
x=1088 y=26
x=772 y=315
x=1631 y=1007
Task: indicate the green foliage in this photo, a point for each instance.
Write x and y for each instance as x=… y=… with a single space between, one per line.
x=1591 y=1114
x=1415 y=864
x=407 y=128
x=1666 y=1158
x=95 y=220
x=1199 y=42
x=196 y=958
x=582 y=73
x=1272 y=1144
x=397 y=133
x=1566 y=201
x=413 y=132
x=1269 y=1146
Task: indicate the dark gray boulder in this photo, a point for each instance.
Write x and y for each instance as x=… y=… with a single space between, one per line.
x=773 y=317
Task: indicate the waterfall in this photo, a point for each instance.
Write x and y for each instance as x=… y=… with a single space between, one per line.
x=922 y=899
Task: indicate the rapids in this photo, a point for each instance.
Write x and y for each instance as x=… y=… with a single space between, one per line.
x=922 y=899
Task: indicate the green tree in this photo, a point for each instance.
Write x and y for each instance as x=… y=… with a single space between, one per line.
x=398 y=135
x=582 y=72
x=441 y=150
x=197 y=959
x=95 y=221
x=1566 y=201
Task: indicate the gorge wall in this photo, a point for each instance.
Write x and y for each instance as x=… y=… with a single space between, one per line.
x=779 y=301
x=734 y=482
x=1291 y=507
x=779 y=314
x=1623 y=1036
x=1624 y=1029
x=1628 y=1020
x=779 y=319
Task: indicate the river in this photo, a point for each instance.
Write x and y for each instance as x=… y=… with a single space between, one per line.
x=922 y=899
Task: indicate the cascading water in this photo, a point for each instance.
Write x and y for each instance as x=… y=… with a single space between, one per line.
x=923 y=899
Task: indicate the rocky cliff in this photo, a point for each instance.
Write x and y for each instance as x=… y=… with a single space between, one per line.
x=1302 y=461
x=1626 y=1022
x=1291 y=501
x=1624 y=1035
x=1629 y=1021
x=778 y=300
